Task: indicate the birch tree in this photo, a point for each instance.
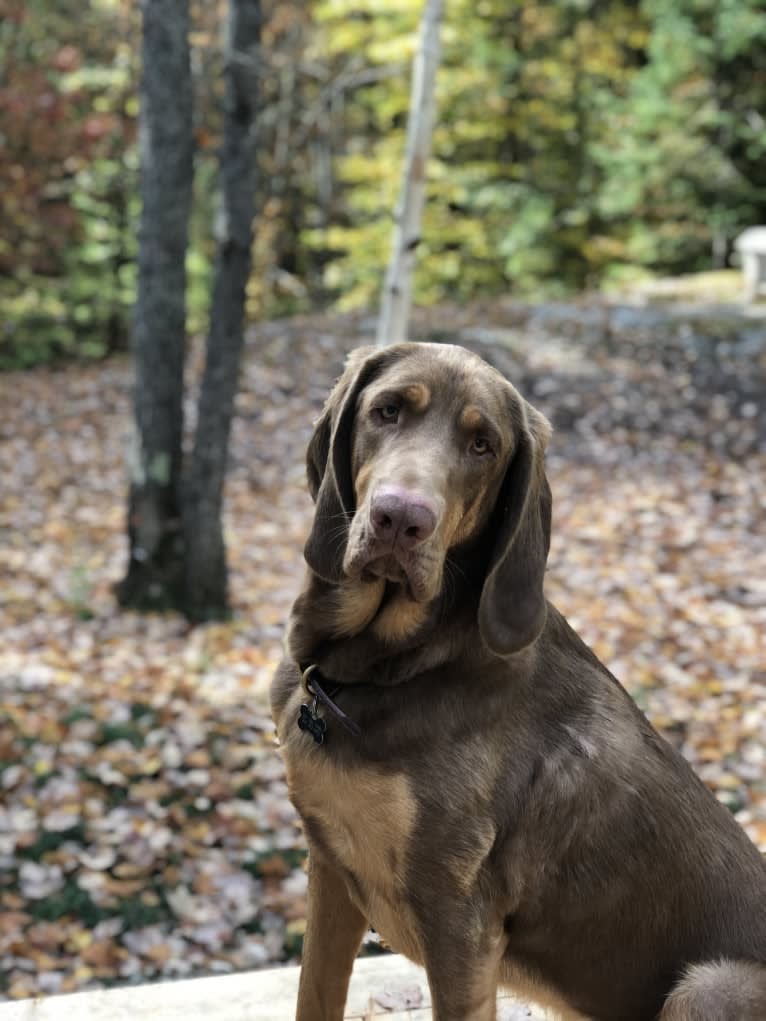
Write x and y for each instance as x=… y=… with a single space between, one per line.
x=397 y=289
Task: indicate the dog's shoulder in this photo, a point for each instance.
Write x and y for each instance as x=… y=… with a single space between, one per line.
x=285 y=683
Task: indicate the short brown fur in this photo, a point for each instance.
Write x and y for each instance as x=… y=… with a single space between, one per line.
x=507 y=815
x=418 y=396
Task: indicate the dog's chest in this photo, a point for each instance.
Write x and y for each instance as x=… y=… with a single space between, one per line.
x=365 y=820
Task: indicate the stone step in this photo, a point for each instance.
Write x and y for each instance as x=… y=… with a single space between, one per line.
x=386 y=988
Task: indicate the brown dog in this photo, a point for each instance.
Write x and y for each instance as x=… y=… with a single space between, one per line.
x=472 y=781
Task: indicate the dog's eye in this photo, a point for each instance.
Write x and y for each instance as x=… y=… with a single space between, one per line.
x=481 y=446
x=388 y=413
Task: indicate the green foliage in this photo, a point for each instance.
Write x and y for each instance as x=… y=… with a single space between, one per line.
x=512 y=191
x=80 y=590
x=578 y=143
x=51 y=840
x=683 y=163
x=129 y=732
x=67 y=248
x=71 y=901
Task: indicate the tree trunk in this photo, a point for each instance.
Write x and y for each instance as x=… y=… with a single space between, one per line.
x=166 y=146
x=397 y=290
x=205 y=581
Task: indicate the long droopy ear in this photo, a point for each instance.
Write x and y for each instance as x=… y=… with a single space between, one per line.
x=512 y=607
x=328 y=465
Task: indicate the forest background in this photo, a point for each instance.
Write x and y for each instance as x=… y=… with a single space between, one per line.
x=581 y=147
x=579 y=144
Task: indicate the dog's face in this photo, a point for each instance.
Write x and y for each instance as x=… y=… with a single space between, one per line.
x=421 y=449
x=431 y=439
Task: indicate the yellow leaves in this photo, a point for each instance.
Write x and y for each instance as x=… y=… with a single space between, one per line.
x=79 y=940
x=103 y=956
x=150 y=790
x=45 y=935
x=131 y=870
x=398 y=50
x=12 y=920
x=81 y=975
x=757 y=832
x=122 y=889
x=601 y=248
x=296 y=928
x=151 y=766
x=728 y=781
x=204 y=884
x=21 y=986
x=51 y=732
x=273 y=867
x=171 y=876
x=159 y=953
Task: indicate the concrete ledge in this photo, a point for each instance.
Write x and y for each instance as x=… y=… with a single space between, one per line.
x=382 y=989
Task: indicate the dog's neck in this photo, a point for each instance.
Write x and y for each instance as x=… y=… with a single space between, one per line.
x=366 y=632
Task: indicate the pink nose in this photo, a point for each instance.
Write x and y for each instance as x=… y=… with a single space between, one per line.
x=401 y=518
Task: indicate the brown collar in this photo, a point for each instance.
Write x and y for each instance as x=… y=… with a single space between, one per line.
x=317 y=687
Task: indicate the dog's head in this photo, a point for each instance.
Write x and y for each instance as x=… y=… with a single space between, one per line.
x=423 y=449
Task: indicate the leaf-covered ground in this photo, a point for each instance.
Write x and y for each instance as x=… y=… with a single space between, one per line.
x=144 y=826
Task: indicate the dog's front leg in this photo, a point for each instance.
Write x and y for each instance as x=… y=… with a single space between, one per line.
x=462 y=973
x=334 y=932
x=459 y=993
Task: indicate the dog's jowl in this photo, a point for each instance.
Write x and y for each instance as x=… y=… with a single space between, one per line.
x=472 y=781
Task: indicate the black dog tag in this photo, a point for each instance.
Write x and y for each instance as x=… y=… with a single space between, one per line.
x=309 y=721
